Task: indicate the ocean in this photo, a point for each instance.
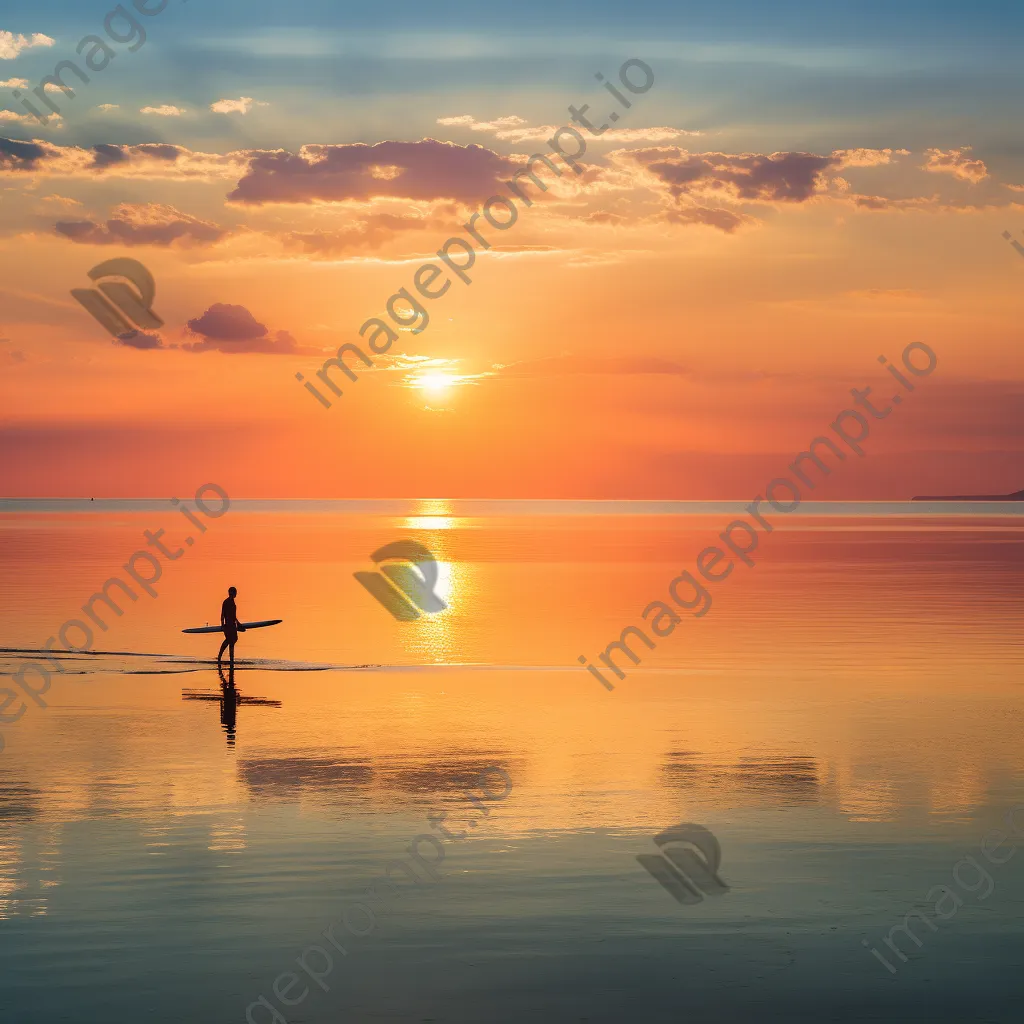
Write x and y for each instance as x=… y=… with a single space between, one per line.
x=845 y=720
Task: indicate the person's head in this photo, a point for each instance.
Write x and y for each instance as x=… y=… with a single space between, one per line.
x=232 y=592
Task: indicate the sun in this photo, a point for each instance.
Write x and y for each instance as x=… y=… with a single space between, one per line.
x=436 y=383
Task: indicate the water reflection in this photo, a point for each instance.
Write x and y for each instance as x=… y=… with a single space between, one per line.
x=10 y=860
x=19 y=802
x=228 y=836
x=431 y=514
x=285 y=778
x=156 y=837
x=898 y=732
x=439 y=636
x=228 y=698
x=30 y=858
x=870 y=800
x=436 y=634
x=19 y=811
x=346 y=777
x=792 y=781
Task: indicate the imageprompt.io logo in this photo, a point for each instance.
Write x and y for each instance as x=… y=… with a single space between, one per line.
x=406 y=588
x=117 y=306
x=1014 y=243
x=687 y=866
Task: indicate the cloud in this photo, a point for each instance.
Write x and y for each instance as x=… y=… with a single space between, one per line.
x=709 y=216
x=145 y=340
x=957 y=163
x=166 y=110
x=108 y=106
x=866 y=157
x=692 y=181
x=62 y=200
x=513 y=128
x=11 y=45
x=146 y=160
x=143 y=224
x=427 y=169
x=369 y=232
x=627 y=135
x=29 y=120
x=870 y=202
x=469 y=121
x=929 y=204
x=240 y=106
x=14 y=83
x=15 y=155
x=228 y=328
x=607 y=217
x=106 y=154
x=224 y=322
x=774 y=177
x=10 y=115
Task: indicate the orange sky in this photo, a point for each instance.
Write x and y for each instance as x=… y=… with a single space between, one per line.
x=674 y=322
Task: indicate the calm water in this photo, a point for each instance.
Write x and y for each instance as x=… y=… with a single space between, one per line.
x=846 y=720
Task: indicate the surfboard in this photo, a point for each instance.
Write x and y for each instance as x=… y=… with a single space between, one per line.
x=245 y=625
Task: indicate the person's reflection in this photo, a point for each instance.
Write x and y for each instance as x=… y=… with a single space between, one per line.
x=228 y=701
x=229 y=698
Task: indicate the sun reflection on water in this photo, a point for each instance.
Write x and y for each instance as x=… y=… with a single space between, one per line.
x=431 y=514
x=439 y=634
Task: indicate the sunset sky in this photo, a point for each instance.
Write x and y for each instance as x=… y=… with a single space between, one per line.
x=802 y=190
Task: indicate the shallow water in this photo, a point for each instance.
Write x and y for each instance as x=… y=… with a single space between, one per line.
x=845 y=720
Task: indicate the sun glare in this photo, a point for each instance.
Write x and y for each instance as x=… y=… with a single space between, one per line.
x=436 y=383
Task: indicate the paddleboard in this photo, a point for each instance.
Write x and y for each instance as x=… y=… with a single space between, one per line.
x=245 y=625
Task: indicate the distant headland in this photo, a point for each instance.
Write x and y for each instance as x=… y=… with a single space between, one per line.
x=1016 y=496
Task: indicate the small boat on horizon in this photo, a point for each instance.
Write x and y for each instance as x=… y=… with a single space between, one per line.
x=1016 y=496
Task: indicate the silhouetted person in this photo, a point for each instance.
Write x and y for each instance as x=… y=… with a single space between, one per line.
x=231 y=626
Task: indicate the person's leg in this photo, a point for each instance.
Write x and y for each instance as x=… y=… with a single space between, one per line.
x=223 y=646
